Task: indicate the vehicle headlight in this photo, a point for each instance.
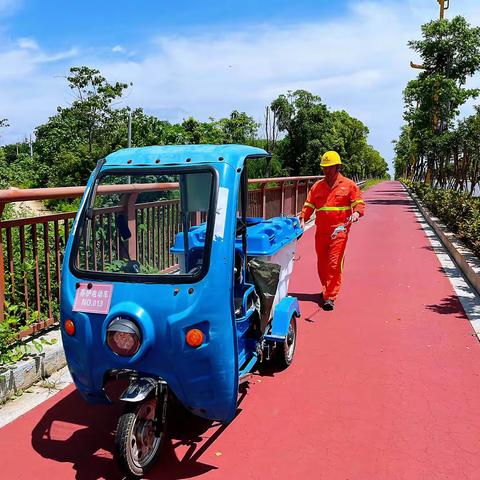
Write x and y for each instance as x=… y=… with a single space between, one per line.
x=123 y=337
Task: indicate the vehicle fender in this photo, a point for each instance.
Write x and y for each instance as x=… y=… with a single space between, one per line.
x=139 y=389
x=282 y=315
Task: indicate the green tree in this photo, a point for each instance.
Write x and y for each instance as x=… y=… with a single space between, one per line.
x=307 y=122
x=239 y=128
x=201 y=132
x=405 y=156
x=93 y=104
x=466 y=154
x=311 y=129
x=450 y=53
x=4 y=170
x=69 y=144
x=3 y=162
x=3 y=123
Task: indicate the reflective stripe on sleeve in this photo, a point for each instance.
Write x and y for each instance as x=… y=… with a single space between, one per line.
x=356 y=202
x=308 y=204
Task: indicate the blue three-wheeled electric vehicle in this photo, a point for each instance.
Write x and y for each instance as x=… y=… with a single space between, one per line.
x=167 y=281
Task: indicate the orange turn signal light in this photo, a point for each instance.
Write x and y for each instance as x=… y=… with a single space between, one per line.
x=194 y=337
x=69 y=327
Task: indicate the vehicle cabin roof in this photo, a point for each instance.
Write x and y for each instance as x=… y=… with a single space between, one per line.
x=176 y=155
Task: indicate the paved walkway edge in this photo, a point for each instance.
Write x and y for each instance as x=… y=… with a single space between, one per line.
x=19 y=377
x=463 y=256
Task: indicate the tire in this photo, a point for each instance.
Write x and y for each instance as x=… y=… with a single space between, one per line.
x=285 y=351
x=136 y=446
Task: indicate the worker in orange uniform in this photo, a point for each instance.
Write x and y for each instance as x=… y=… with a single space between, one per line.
x=337 y=203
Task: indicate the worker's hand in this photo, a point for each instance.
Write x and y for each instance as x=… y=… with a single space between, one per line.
x=354 y=217
x=302 y=223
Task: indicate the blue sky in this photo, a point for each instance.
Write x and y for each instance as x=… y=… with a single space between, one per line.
x=208 y=58
x=108 y=21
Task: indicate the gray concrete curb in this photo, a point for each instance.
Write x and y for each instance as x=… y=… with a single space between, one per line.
x=19 y=377
x=466 y=260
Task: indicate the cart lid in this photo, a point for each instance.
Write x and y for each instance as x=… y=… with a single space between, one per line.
x=264 y=237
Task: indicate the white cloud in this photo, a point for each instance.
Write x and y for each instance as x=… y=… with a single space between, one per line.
x=31 y=85
x=359 y=63
x=57 y=56
x=27 y=44
x=118 y=49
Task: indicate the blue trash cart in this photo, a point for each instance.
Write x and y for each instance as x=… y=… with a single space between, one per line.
x=167 y=282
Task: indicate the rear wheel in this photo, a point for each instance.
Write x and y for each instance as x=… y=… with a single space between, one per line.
x=136 y=444
x=284 y=351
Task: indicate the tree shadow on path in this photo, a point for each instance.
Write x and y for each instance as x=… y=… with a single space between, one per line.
x=450 y=305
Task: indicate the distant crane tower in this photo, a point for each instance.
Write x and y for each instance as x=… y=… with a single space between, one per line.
x=444 y=4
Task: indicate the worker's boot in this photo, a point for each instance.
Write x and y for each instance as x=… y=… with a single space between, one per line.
x=328 y=305
x=321 y=299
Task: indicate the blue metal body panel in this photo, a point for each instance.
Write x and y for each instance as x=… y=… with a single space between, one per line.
x=203 y=379
x=176 y=155
x=281 y=319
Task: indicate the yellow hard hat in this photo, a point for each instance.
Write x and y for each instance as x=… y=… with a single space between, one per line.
x=330 y=158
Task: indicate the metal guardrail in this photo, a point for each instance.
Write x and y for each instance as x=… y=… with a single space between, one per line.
x=31 y=249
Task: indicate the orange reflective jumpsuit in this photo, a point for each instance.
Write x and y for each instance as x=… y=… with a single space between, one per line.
x=332 y=207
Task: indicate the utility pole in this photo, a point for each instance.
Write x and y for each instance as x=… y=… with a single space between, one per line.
x=31 y=146
x=129 y=138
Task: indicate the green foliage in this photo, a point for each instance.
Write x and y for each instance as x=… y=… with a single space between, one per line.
x=11 y=348
x=306 y=121
x=239 y=128
x=449 y=47
x=431 y=145
x=68 y=146
x=311 y=129
x=71 y=142
x=4 y=171
x=459 y=211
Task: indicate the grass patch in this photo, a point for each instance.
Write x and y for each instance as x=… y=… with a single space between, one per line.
x=371 y=183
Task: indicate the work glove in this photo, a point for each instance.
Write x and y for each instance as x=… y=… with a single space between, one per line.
x=354 y=217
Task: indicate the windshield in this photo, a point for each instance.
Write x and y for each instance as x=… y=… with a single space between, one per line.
x=135 y=225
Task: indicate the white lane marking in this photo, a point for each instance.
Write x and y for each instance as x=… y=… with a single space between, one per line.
x=468 y=297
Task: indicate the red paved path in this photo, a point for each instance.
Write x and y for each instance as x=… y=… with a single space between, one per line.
x=385 y=387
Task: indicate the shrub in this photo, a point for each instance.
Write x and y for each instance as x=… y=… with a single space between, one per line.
x=459 y=211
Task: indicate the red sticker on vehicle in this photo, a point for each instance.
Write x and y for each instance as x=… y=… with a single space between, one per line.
x=93 y=298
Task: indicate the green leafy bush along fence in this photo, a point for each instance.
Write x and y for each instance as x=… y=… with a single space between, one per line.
x=459 y=211
x=33 y=252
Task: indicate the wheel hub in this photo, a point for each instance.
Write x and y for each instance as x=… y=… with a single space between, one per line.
x=144 y=441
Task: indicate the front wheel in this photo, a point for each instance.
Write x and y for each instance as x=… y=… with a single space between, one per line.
x=284 y=351
x=137 y=443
